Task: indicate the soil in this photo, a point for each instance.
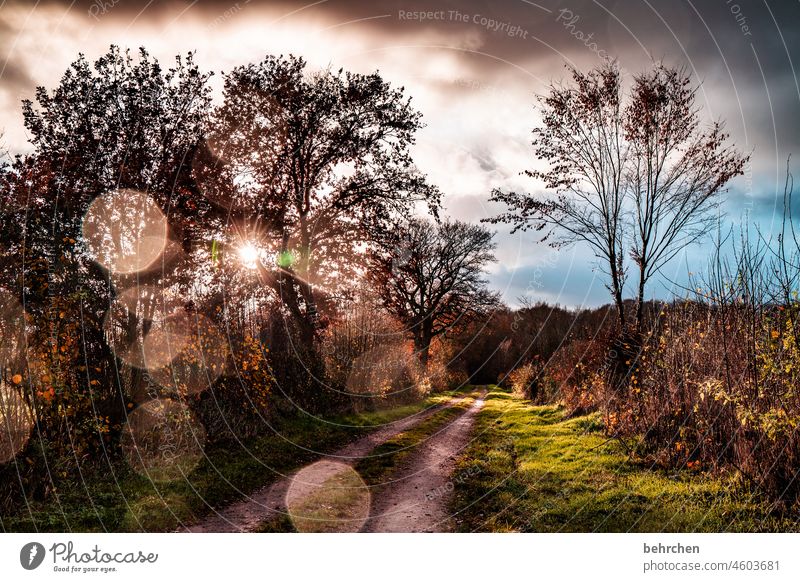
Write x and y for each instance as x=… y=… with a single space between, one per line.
x=416 y=499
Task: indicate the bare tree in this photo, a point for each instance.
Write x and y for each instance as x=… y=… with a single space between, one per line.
x=431 y=279
x=634 y=177
x=676 y=170
x=582 y=140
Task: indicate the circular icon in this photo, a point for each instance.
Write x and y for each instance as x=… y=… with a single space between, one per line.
x=31 y=555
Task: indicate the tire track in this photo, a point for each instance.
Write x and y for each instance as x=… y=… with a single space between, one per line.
x=270 y=501
x=416 y=500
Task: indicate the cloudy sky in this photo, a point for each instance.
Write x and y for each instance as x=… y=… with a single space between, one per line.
x=473 y=69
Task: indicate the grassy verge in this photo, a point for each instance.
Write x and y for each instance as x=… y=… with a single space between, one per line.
x=384 y=459
x=118 y=499
x=530 y=469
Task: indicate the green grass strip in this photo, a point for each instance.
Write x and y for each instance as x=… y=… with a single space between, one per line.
x=529 y=469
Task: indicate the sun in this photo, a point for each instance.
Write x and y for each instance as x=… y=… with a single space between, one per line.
x=248 y=254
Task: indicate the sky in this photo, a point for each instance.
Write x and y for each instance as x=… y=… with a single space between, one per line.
x=473 y=69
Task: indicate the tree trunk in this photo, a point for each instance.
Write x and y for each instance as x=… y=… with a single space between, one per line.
x=422 y=343
x=423 y=352
x=640 y=301
x=291 y=291
x=616 y=290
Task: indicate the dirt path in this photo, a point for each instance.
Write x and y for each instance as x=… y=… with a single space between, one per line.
x=416 y=500
x=269 y=501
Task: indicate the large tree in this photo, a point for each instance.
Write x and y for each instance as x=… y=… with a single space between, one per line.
x=125 y=124
x=431 y=277
x=633 y=175
x=311 y=167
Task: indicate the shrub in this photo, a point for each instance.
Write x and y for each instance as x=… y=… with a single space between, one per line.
x=715 y=389
x=523 y=380
x=575 y=375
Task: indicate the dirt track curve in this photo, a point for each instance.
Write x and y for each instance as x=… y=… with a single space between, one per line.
x=416 y=498
x=427 y=467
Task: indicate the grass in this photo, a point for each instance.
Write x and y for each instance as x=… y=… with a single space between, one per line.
x=339 y=504
x=116 y=498
x=530 y=469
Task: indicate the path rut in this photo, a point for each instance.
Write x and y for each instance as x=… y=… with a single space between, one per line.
x=416 y=499
x=269 y=501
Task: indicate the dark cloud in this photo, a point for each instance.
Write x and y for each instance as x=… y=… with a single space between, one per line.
x=15 y=78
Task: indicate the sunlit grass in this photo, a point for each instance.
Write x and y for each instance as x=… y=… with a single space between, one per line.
x=530 y=469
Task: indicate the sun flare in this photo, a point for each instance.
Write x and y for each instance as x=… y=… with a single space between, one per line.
x=248 y=254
